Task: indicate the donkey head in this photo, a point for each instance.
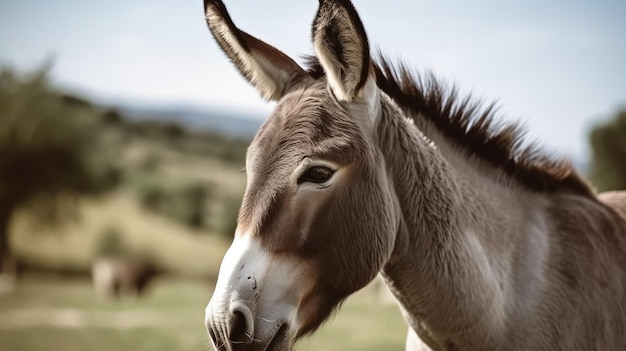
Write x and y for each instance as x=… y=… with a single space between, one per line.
x=318 y=219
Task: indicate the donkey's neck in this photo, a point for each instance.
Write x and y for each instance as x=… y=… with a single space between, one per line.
x=452 y=263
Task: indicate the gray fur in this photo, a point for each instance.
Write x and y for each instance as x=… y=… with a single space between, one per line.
x=476 y=259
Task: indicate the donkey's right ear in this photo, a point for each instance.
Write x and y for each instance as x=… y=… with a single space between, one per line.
x=272 y=72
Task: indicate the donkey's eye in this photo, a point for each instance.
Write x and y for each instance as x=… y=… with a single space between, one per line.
x=316 y=174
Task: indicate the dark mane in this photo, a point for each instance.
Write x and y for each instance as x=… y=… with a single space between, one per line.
x=474 y=128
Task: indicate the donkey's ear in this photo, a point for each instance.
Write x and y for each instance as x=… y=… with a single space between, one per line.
x=342 y=48
x=272 y=72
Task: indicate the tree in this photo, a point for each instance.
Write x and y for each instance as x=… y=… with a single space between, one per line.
x=50 y=148
x=608 y=153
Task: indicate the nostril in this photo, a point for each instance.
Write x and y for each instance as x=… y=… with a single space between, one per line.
x=241 y=326
x=238 y=328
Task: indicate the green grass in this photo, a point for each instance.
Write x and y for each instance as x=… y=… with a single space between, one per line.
x=45 y=314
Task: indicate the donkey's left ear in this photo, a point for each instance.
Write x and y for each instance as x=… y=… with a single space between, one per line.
x=342 y=48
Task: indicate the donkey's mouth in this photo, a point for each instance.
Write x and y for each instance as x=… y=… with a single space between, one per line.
x=279 y=342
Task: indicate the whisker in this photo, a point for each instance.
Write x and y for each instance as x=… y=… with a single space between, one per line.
x=267 y=320
x=219 y=347
x=209 y=345
x=224 y=335
x=237 y=342
x=251 y=338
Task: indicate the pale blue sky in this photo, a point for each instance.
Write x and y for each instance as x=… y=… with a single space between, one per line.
x=558 y=66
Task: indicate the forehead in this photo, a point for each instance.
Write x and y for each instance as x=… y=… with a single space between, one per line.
x=308 y=123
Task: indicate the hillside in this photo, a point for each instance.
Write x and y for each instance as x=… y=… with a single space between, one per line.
x=218 y=120
x=176 y=202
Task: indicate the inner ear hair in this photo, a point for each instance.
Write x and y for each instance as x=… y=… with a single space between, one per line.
x=272 y=72
x=342 y=47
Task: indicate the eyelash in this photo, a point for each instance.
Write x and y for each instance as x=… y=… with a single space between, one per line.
x=310 y=177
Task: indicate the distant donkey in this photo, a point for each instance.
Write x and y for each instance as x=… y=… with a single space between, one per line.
x=114 y=277
x=364 y=167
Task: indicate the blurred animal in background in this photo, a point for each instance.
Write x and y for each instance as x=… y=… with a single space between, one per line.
x=115 y=277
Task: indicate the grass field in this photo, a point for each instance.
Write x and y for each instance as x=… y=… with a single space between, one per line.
x=65 y=315
x=50 y=314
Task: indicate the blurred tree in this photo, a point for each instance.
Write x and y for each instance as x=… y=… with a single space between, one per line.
x=111 y=243
x=608 y=154
x=50 y=147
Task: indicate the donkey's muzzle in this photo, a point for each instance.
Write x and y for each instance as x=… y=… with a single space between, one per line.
x=235 y=331
x=255 y=302
x=231 y=330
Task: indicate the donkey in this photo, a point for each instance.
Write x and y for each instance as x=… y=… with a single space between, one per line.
x=365 y=168
x=114 y=277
